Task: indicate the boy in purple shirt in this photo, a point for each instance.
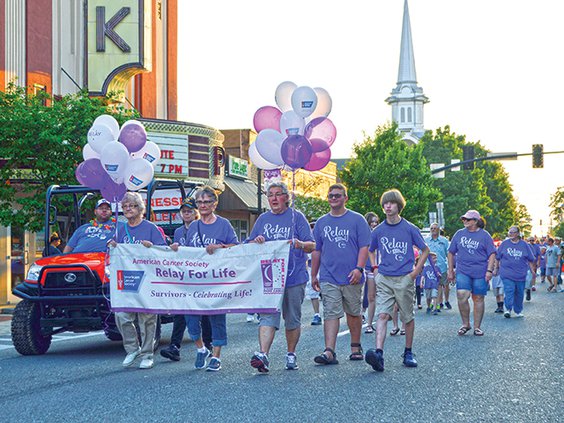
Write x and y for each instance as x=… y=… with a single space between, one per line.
x=394 y=240
x=431 y=276
x=337 y=266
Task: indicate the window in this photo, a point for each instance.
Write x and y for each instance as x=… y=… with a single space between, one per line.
x=409 y=114
x=241 y=228
x=402 y=115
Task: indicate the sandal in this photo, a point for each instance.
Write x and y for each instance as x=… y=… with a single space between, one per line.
x=324 y=358
x=394 y=331
x=402 y=332
x=463 y=330
x=369 y=329
x=478 y=332
x=356 y=355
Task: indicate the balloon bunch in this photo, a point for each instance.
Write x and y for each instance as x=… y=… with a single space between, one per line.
x=298 y=133
x=117 y=160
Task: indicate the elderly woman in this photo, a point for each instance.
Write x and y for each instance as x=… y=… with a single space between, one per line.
x=474 y=251
x=514 y=257
x=137 y=230
x=210 y=232
x=283 y=223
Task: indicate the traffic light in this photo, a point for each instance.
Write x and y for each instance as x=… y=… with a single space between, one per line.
x=538 y=156
x=468 y=154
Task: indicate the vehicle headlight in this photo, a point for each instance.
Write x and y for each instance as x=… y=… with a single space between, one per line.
x=33 y=273
x=107 y=271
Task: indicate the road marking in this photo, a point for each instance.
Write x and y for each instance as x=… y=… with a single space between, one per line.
x=56 y=338
x=346 y=332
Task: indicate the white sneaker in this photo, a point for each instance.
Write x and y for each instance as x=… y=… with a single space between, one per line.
x=250 y=318
x=507 y=314
x=519 y=315
x=146 y=363
x=130 y=358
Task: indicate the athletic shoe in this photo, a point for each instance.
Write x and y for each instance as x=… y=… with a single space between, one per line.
x=519 y=315
x=146 y=363
x=534 y=288
x=528 y=294
x=428 y=310
x=201 y=357
x=214 y=365
x=316 y=321
x=499 y=310
x=130 y=358
x=437 y=309
x=507 y=314
x=435 y=312
x=250 y=318
x=447 y=304
x=291 y=362
x=260 y=362
x=375 y=359
x=171 y=352
x=441 y=306
x=409 y=359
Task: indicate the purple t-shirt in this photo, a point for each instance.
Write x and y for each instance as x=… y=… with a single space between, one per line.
x=395 y=244
x=513 y=258
x=219 y=232
x=145 y=231
x=472 y=251
x=340 y=238
x=287 y=225
x=431 y=281
x=89 y=238
x=180 y=235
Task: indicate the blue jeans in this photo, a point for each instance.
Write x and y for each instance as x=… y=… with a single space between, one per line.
x=514 y=293
x=478 y=286
x=218 y=328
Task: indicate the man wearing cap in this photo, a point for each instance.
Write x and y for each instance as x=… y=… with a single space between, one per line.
x=94 y=236
x=474 y=251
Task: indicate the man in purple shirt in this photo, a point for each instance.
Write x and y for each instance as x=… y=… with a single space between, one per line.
x=394 y=240
x=283 y=223
x=337 y=267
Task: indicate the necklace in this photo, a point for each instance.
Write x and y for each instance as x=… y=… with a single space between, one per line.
x=97 y=224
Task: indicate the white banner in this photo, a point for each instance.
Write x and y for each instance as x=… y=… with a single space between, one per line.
x=247 y=278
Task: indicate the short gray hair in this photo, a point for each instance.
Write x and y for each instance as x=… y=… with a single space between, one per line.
x=134 y=198
x=206 y=190
x=280 y=185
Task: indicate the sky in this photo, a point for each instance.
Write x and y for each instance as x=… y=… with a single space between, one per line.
x=491 y=69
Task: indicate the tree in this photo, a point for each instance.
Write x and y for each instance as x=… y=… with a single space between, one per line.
x=557 y=204
x=312 y=207
x=41 y=141
x=524 y=219
x=383 y=162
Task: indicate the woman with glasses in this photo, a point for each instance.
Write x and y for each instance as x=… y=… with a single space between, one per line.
x=210 y=232
x=474 y=251
x=137 y=230
x=514 y=257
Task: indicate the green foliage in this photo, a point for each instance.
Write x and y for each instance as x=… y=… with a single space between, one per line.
x=524 y=219
x=41 y=141
x=383 y=162
x=558 y=230
x=557 y=204
x=312 y=207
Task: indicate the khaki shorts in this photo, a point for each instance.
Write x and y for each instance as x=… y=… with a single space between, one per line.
x=341 y=299
x=395 y=289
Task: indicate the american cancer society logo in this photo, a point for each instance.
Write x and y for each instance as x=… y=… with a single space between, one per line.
x=129 y=280
x=273 y=275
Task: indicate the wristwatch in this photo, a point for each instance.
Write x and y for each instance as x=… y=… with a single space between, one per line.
x=360 y=269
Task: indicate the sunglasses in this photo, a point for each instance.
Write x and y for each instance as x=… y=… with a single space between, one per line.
x=334 y=196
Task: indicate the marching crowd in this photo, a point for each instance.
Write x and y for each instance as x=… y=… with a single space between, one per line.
x=358 y=265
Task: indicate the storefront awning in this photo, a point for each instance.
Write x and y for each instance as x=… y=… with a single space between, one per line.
x=240 y=195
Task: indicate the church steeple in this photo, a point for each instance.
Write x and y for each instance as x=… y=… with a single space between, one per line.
x=407 y=98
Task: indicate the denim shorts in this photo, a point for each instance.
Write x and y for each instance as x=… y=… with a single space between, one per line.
x=478 y=286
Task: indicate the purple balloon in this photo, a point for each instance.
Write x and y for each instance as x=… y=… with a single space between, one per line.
x=318 y=160
x=91 y=173
x=321 y=128
x=113 y=192
x=133 y=136
x=296 y=151
x=267 y=117
x=318 y=145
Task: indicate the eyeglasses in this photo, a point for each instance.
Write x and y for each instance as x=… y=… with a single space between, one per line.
x=464 y=219
x=275 y=194
x=336 y=196
x=512 y=232
x=129 y=206
x=204 y=202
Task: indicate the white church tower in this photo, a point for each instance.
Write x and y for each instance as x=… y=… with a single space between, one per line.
x=407 y=98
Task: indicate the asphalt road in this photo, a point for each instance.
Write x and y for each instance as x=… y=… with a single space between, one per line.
x=512 y=374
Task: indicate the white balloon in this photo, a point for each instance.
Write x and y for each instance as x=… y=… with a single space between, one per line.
x=283 y=95
x=324 y=104
x=130 y=121
x=291 y=124
x=258 y=160
x=115 y=159
x=89 y=153
x=98 y=136
x=138 y=174
x=151 y=152
x=110 y=122
x=304 y=101
x=269 y=144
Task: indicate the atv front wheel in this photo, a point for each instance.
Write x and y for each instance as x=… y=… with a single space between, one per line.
x=26 y=330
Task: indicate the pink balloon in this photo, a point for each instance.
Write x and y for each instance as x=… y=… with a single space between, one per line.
x=322 y=128
x=296 y=151
x=267 y=117
x=318 y=160
x=318 y=145
x=91 y=173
